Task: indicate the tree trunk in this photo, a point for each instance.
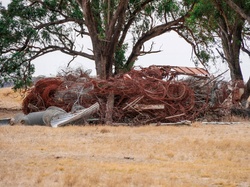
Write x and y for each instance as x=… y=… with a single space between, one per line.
x=231 y=43
x=235 y=69
x=248 y=86
x=247 y=89
x=104 y=65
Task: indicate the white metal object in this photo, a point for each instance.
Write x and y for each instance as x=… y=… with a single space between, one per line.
x=67 y=118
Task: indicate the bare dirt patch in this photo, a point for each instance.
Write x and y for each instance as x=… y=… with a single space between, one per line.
x=198 y=155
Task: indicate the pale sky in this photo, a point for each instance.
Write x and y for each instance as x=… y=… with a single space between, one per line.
x=175 y=51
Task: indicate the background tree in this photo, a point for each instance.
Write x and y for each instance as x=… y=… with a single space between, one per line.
x=30 y=29
x=244 y=12
x=215 y=25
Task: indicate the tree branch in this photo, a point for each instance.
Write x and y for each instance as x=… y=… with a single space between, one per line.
x=150 y=51
x=238 y=10
x=90 y=22
x=52 y=48
x=119 y=13
x=57 y=22
x=156 y=31
x=131 y=20
x=243 y=48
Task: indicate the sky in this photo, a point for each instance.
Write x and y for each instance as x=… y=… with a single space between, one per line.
x=175 y=52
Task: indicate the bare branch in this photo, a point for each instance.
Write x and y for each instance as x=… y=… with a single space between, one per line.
x=131 y=20
x=243 y=48
x=193 y=44
x=156 y=31
x=73 y=58
x=221 y=55
x=150 y=51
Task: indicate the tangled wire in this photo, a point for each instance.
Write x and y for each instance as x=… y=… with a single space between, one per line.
x=140 y=97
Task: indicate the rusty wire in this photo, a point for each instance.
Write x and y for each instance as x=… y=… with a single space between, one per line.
x=140 y=96
x=40 y=96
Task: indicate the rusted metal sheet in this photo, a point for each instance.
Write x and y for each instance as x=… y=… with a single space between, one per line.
x=141 y=96
x=178 y=70
x=191 y=71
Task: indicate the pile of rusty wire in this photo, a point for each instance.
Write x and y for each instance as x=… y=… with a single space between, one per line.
x=143 y=96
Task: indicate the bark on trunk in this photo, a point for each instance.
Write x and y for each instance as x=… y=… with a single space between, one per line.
x=231 y=42
x=235 y=69
x=247 y=91
x=104 y=65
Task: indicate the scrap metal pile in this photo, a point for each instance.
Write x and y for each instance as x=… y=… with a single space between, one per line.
x=146 y=95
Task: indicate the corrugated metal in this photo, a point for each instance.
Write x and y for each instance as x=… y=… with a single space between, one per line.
x=191 y=71
x=179 y=70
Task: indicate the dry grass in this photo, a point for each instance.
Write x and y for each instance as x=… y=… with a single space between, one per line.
x=200 y=155
x=10 y=99
x=197 y=155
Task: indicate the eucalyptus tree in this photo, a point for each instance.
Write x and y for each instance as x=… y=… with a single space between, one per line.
x=244 y=12
x=118 y=30
x=213 y=25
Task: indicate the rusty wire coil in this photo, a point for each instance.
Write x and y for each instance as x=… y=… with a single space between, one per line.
x=176 y=100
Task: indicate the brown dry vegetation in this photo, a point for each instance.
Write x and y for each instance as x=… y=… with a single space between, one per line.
x=197 y=155
x=200 y=155
x=10 y=99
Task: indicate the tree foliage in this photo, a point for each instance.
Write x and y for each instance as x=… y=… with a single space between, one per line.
x=118 y=31
x=243 y=11
x=214 y=25
x=32 y=28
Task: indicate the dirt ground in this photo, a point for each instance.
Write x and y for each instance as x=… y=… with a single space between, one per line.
x=196 y=155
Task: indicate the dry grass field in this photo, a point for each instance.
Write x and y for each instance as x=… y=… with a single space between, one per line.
x=10 y=99
x=197 y=155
